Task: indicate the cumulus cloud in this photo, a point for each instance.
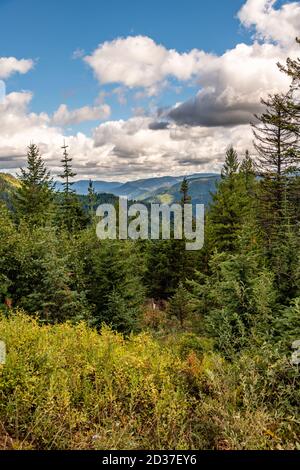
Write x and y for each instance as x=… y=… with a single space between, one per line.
x=11 y=65
x=117 y=149
x=280 y=25
x=158 y=125
x=189 y=137
x=232 y=84
x=137 y=61
x=134 y=146
x=64 y=117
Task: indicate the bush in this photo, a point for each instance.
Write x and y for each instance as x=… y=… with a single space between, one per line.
x=65 y=386
x=189 y=342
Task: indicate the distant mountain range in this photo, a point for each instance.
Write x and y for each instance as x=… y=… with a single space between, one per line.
x=200 y=189
x=165 y=189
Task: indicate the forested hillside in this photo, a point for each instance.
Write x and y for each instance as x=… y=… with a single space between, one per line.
x=123 y=344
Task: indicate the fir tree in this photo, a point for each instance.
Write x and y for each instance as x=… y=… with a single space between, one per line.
x=247 y=172
x=72 y=213
x=68 y=173
x=228 y=206
x=231 y=164
x=34 y=196
x=92 y=198
x=276 y=162
x=180 y=305
x=247 y=166
x=184 y=190
x=292 y=109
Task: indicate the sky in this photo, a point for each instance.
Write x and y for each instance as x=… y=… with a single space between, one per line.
x=138 y=89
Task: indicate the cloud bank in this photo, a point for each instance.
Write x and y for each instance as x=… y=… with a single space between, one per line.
x=185 y=137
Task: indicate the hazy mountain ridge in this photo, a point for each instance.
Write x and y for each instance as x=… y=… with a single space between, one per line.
x=156 y=189
x=200 y=189
x=165 y=189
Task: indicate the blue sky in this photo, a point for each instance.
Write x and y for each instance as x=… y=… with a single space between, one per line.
x=138 y=88
x=49 y=31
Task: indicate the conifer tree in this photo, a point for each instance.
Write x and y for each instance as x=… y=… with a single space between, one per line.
x=277 y=163
x=91 y=200
x=34 y=196
x=68 y=173
x=227 y=208
x=179 y=304
x=184 y=190
x=72 y=214
x=231 y=164
x=173 y=263
x=247 y=166
x=112 y=278
x=247 y=171
x=292 y=69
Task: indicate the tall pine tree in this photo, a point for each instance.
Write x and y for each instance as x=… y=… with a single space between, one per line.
x=225 y=214
x=274 y=143
x=72 y=214
x=33 y=199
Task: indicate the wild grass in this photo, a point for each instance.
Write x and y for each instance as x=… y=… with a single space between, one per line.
x=70 y=387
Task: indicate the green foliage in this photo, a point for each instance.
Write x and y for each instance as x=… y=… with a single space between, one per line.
x=92 y=198
x=167 y=264
x=190 y=343
x=232 y=204
x=120 y=314
x=71 y=215
x=68 y=387
x=218 y=374
x=44 y=281
x=284 y=257
x=33 y=198
x=231 y=164
x=179 y=304
x=237 y=301
x=286 y=328
x=184 y=189
x=112 y=274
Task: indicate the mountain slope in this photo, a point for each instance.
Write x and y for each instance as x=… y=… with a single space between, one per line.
x=200 y=189
x=148 y=188
x=165 y=189
x=8 y=184
x=140 y=189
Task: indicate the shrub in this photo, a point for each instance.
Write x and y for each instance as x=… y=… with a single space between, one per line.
x=66 y=386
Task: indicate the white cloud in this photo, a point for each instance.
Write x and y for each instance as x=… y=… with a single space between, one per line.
x=136 y=149
x=137 y=61
x=118 y=149
x=233 y=83
x=63 y=116
x=280 y=25
x=230 y=87
x=11 y=65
